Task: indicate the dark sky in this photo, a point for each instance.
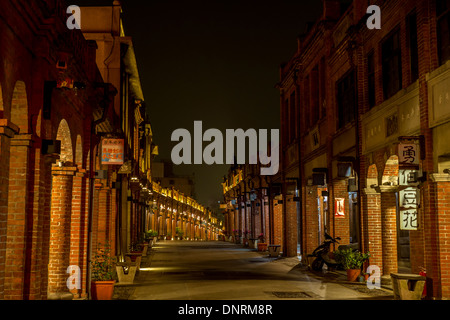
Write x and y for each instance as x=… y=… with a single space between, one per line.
x=214 y=61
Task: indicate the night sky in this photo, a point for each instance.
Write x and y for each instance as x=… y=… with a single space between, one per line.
x=214 y=61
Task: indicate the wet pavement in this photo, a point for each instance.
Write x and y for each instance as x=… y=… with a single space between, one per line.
x=214 y=270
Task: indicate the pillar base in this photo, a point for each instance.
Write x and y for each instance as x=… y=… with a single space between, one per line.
x=60 y=296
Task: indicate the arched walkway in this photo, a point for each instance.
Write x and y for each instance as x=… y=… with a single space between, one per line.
x=61 y=208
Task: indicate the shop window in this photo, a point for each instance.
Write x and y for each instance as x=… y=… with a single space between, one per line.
x=286 y=121
x=411 y=22
x=371 y=79
x=315 y=98
x=307 y=103
x=322 y=89
x=392 y=65
x=346 y=98
x=292 y=117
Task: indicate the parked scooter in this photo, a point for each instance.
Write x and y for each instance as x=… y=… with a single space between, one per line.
x=322 y=254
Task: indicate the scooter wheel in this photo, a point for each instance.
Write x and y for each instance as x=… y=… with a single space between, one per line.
x=317 y=264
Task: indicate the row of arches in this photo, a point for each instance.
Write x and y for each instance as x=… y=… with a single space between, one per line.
x=37 y=198
x=16 y=110
x=389 y=176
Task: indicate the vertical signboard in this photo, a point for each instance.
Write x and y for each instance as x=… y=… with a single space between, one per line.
x=339 y=207
x=408 y=208
x=408 y=154
x=112 y=151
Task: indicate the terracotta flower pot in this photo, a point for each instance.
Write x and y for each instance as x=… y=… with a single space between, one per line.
x=353 y=274
x=262 y=246
x=134 y=257
x=102 y=290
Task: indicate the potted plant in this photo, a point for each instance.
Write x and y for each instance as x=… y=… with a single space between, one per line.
x=245 y=238
x=169 y=236
x=134 y=250
x=352 y=261
x=150 y=236
x=237 y=235
x=103 y=273
x=179 y=233
x=262 y=245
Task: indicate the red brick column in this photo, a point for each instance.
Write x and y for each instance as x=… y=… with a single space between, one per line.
x=7 y=131
x=232 y=220
x=95 y=209
x=79 y=227
x=104 y=215
x=389 y=229
x=113 y=220
x=278 y=224
x=437 y=239
x=311 y=220
x=265 y=204
x=36 y=273
x=59 y=252
x=18 y=216
x=372 y=230
x=290 y=227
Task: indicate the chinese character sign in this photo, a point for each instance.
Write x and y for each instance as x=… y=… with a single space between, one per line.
x=112 y=151
x=408 y=209
x=408 y=153
x=408 y=219
x=407 y=177
x=339 y=207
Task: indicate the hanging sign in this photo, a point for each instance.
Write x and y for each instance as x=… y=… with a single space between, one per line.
x=112 y=151
x=339 y=207
x=408 y=208
x=408 y=153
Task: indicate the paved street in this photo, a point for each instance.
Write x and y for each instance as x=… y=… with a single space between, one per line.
x=200 y=270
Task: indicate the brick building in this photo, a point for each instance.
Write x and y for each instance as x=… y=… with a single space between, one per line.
x=68 y=98
x=361 y=96
x=163 y=173
x=50 y=92
x=364 y=118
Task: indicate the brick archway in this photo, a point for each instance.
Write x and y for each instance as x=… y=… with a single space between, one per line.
x=60 y=216
x=389 y=215
x=79 y=152
x=64 y=135
x=19 y=107
x=372 y=176
x=19 y=197
x=390 y=172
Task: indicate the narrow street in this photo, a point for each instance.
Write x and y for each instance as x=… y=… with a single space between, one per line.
x=212 y=270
